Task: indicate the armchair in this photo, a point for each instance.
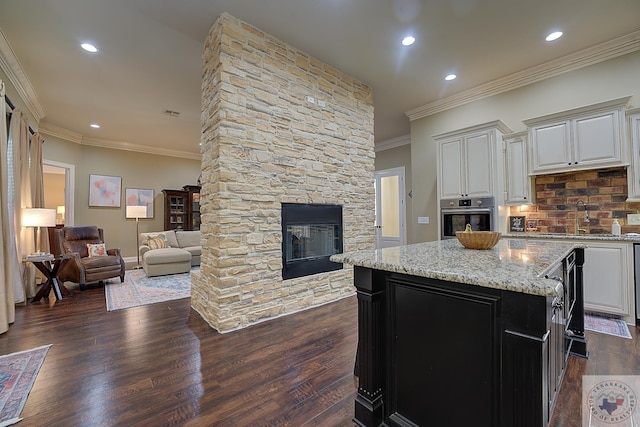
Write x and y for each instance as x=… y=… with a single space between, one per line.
x=82 y=268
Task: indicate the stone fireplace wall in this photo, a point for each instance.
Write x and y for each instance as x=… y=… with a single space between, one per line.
x=264 y=143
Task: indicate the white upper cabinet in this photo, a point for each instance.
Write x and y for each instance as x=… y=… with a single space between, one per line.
x=584 y=138
x=633 y=173
x=469 y=163
x=518 y=182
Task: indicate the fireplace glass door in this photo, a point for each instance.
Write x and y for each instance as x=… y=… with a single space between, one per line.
x=310 y=235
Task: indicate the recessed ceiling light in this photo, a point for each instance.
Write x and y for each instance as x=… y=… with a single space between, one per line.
x=95 y=125
x=408 y=41
x=554 y=36
x=450 y=77
x=89 y=47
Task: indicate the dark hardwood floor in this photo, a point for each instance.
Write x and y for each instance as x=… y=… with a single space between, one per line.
x=162 y=365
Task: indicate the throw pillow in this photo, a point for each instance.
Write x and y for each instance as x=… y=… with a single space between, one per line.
x=96 y=249
x=156 y=243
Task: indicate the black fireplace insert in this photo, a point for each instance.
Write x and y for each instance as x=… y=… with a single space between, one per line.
x=311 y=233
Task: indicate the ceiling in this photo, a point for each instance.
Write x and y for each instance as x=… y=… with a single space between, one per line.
x=149 y=55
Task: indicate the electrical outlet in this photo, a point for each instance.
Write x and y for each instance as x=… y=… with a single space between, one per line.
x=633 y=219
x=322 y=104
x=311 y=99
x=423 y=220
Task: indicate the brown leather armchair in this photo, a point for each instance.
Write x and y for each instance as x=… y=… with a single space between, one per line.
x=82 y=268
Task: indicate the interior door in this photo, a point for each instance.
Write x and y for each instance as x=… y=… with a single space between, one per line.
x=390 y=208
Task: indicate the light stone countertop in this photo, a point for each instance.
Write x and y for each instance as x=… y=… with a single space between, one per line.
x=513 y=264
x=630 y=238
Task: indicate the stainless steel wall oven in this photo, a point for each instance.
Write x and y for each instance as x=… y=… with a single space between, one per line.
x=455 y=214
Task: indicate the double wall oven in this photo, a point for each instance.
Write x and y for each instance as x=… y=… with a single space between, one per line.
x=455 y=214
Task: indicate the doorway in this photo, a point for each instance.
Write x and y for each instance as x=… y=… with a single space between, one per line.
x=59 y=190
x=390 y=208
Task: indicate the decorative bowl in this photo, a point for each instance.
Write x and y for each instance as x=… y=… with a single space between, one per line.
x=478 y=239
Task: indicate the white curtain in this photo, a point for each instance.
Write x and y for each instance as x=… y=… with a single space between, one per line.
x=24 y=242
x=7 y=263
x=37 y=183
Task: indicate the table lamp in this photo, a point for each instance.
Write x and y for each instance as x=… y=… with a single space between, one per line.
x=38 y=217
x=136 y=212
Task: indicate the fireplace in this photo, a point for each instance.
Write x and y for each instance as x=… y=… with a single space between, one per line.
x=310 y=235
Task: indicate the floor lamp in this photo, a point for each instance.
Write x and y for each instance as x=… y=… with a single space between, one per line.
x=38 y=217
x=137 y=212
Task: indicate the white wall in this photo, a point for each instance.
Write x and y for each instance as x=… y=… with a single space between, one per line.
x=613 y=79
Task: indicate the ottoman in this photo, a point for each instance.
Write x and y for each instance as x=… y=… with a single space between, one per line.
x=158 y=262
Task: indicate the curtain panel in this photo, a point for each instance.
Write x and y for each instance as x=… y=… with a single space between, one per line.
x=7 y=265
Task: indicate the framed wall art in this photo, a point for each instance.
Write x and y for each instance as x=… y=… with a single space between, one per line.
x=516 y=224
x=139 y=197
x=104 y=191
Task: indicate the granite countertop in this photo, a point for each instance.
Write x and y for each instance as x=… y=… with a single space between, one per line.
x=513 y=264
x=630 y=237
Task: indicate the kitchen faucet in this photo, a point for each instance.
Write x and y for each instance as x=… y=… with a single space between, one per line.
x=586 y=216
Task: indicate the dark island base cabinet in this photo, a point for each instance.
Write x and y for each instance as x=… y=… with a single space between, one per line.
x=434 y=353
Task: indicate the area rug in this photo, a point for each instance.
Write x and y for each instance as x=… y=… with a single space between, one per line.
x=18 y=372
x=139 y=289
x=606 y=325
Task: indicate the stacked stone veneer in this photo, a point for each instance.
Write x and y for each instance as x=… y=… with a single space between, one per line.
x=604 y=192
x=263 y=144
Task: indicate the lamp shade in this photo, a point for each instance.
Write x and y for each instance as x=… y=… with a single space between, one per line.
x=38 y=217
x=136 y=212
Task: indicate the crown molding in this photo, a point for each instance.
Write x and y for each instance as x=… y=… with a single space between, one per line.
x=590 y=56
x=127 y=146
x=11 y=66
x=78 y=138
x=60 y=132
x=392 y=143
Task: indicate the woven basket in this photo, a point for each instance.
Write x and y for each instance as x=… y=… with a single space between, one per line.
x=478 y=239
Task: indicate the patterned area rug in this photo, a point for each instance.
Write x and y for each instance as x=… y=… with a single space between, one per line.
x=18 y=372
x=138 y=289
x=606 y=325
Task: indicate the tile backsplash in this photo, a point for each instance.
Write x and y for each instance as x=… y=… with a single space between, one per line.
x=603 y=191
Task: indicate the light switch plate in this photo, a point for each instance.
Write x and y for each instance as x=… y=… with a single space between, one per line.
x=633 y=219
x=423 y=220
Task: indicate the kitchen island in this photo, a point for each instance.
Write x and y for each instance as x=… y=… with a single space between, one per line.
x=458 y=337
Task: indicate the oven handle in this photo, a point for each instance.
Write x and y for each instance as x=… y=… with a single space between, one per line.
x=471 y=211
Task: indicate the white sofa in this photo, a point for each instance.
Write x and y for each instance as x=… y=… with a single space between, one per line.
x=182 y=251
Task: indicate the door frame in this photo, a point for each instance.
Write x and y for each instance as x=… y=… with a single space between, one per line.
x=69 y=188
x=400 y=173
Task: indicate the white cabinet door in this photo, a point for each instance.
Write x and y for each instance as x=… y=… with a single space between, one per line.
x=479 y=165
x=518 y=182
x=633 y=173
x=550 y=147
x=451 y=169
x=596 y=139
x=606 y=278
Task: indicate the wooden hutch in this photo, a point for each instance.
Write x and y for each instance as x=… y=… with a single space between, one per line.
x=182 y=208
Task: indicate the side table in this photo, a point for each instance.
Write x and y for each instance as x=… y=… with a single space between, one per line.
x=49 y=266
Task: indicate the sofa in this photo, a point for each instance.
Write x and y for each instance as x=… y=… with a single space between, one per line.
x=169 y=252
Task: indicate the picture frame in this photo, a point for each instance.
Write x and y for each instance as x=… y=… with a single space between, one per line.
x=532 y=225
x=140 y=197
x=517 y=224
x=104 y=191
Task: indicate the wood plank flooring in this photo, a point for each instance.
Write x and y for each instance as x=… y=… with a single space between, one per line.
x=162 y=365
